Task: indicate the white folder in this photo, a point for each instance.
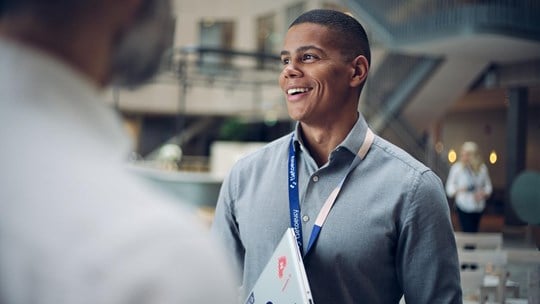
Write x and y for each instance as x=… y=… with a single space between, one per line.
x=284 y=279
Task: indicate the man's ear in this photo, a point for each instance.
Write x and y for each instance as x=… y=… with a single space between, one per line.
x=361 y=68
x=126 y=11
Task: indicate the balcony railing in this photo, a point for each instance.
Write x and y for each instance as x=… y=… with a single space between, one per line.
x=224 y=67
x=420 y=20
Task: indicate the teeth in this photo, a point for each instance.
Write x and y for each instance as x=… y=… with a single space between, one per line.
x=297 y=90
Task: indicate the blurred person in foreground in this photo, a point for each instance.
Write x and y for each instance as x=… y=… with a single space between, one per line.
x=469 y=183
x=75 y=227
x=388 y=233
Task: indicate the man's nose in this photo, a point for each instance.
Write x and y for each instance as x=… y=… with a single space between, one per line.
x=291 y=70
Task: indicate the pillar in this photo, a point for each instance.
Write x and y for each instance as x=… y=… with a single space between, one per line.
x=516 y=145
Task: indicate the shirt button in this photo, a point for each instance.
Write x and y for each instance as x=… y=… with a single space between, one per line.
x=315 y=178
x=305 y=218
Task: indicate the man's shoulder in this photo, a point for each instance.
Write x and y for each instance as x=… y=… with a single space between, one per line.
x=396 y=156
x=108 y=224
x=104 y=210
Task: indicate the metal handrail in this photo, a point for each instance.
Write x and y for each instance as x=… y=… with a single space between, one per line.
x=206 y=66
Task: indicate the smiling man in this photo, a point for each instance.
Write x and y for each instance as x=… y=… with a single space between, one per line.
x=375 y=222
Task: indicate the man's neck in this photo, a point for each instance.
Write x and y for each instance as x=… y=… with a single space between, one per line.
x=322 y=139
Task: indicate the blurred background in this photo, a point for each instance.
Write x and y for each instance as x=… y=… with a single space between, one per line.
x=443 y=72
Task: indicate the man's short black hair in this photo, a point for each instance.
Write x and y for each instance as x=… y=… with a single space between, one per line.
x=349 y=31
x=17 y=5
x=52 y=11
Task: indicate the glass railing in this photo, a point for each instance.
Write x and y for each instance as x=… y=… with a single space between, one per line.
x=202 y=65
x=418 y=20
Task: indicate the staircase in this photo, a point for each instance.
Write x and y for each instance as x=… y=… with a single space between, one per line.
x=435 y=51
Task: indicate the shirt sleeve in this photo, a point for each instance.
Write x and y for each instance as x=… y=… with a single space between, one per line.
x=190 y=271
x=225 y=226
x=451 y=181
x=159 y=262
x=486 y=181
x=427 y=262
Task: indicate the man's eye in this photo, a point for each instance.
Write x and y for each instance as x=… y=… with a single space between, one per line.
x=307 y=57
x=285 y=61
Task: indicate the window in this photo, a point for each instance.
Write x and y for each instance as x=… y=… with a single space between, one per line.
x=217 y=36
x=293 y=12
x=265 y=37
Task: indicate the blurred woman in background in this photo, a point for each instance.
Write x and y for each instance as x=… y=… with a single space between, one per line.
x=469 y=183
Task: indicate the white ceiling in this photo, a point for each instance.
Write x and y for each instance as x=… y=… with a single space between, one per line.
x=485 y=46
x=463 y=54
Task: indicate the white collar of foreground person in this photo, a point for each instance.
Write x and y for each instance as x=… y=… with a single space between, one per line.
x=60 y=99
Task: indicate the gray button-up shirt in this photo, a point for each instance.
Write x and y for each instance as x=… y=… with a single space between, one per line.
x=389 y=232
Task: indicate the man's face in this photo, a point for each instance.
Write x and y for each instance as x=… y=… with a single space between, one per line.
x=137 y=55
x=315 y=77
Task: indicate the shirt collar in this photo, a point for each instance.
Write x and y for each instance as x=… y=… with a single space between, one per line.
x=352 y=142
x=69 y=97
x=47 y=64
x=356 y=136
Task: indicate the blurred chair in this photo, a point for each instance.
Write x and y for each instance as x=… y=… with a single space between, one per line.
x=524 y=255
x=472 y=280
x=471 y=241
x=483 y=273
x=483 y=258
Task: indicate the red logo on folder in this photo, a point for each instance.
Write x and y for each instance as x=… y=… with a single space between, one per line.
x=282 y=264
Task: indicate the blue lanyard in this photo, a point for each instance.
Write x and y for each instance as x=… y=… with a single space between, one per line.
x=294 y=194
x=294 y=197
